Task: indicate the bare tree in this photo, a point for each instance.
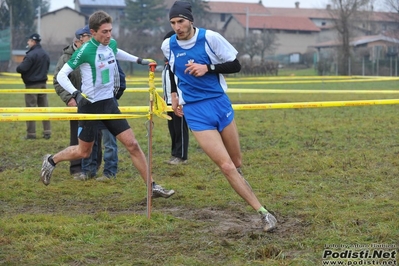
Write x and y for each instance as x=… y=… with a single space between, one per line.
x=346 y=13
x=19 y=16
x=257 y=44
x=392 y=5
x=268 y=43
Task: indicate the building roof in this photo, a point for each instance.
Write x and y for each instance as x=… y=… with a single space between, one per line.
x=358 y=41
x=54 y=12
x=277 y=23
x=314 y=13
x=300 y=12
x=237 y=8
x=108 y=3
x=373 y=38
x=385 y=16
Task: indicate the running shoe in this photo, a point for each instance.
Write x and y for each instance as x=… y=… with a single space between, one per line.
x=158 y=191
x=269 y=222
x=47 y=170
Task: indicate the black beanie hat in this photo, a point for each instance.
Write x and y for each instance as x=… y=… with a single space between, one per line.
x=181 y=9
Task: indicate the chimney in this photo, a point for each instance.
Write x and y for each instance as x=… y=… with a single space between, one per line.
x=328 y=7
x=296 y=4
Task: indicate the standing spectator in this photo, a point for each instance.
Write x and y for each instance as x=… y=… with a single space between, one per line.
x=177 y=127
x=81 y=36
x=34 y=69
x=96 y=60
x=199 y=57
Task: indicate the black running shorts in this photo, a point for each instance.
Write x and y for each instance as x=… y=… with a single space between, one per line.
x=88 y=128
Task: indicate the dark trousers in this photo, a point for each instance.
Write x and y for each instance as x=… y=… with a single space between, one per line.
x=36 y=100
x=178 y=131
x=76 y=165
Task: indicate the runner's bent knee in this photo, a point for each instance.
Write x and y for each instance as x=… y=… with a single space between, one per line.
x=132 y=146
x=227 y=167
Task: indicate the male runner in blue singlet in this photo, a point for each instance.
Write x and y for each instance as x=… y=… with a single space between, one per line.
x=198 y=58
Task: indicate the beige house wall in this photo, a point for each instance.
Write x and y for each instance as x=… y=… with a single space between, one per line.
x=234 y=30
x=289 y=43
x=58 y=28
x=213 y=21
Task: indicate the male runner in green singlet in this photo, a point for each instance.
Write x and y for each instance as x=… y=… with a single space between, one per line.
x=97 y=59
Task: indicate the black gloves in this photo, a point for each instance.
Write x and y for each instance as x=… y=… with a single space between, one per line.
x=80 y=98
x=145 y=61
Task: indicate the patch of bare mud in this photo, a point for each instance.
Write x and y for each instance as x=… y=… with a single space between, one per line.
x=236 y=225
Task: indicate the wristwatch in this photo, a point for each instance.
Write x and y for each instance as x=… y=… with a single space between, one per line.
x=211 y=67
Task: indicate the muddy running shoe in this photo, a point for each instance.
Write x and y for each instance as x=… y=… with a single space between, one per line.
x=171 y=159
x=80 y=176
x=269 y=222
x=47 y=170
x=158 y=191
x=176 y=161
x=103 y=179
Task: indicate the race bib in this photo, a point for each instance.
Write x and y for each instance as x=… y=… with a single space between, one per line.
x=105 y=76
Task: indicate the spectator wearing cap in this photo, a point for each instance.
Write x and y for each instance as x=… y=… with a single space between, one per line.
x=83 y=34
x=34 y=69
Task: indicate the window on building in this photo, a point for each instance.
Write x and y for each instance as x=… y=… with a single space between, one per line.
x=223 y=17
x=392 y=51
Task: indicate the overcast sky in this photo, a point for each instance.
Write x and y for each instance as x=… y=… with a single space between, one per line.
x=56 y=4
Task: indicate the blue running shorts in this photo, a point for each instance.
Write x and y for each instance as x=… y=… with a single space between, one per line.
x=215 y=113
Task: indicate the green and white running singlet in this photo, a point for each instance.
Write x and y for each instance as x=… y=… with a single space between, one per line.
x=97 y=64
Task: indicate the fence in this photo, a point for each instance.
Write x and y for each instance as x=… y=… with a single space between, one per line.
x=387 y=67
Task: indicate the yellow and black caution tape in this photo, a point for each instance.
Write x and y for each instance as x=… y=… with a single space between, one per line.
x=243 y=90
x=233 y=90
x=298 y=105
x=124 y=109
x=45 y=91
x=12 y=117
x=8 y=114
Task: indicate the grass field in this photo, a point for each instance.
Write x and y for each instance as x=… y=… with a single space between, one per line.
x=329 y=174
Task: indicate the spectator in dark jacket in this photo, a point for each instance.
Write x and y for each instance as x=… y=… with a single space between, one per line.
x=34 y=69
